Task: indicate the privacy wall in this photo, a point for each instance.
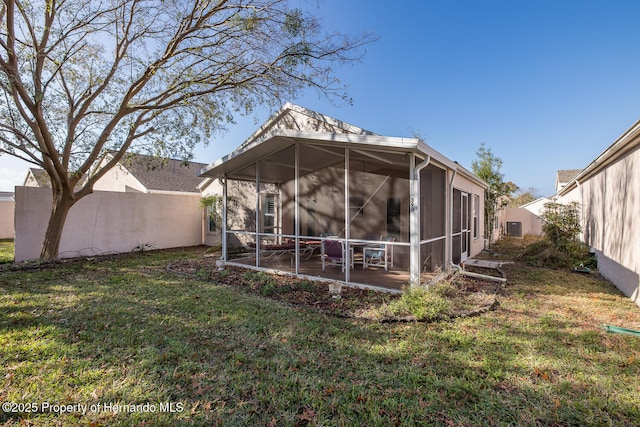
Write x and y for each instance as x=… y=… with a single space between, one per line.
x=6 y=219
x=108 y=222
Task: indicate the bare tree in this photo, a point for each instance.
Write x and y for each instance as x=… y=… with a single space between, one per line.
x=83 y=78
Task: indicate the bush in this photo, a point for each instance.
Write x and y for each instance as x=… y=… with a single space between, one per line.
x=561 y=223
x=423 y=303
x=560 y=248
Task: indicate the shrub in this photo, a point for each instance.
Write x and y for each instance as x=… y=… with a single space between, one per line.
x=560 y=248
x=423 y=303
x=561 y=222
x=304 y=285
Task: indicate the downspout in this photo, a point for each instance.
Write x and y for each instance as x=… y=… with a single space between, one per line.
x=450 y=225
x=414 y=238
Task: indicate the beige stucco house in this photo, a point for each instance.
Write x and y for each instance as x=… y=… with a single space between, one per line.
x=314 y=180
x=141 y=174
x=520 y=221
x=608 y=191
x=564 y=177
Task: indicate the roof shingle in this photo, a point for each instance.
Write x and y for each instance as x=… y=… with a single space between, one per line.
x=164 y=174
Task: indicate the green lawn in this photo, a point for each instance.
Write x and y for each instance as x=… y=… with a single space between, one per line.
x=6 y=250
x=126 y=332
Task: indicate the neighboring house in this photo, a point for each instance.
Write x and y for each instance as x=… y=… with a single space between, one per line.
x=315 y=180
x=147 y=174
x=563 y=177
x=521 y=221
x=37 y=178
x=608 y=191
x=7 y=209
x=536 y=207
x=139 y=173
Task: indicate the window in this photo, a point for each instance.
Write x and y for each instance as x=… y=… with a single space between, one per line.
x=212 y=215
x=356 y=208
x=476 y=216
x=213 y=207
x=269 y=213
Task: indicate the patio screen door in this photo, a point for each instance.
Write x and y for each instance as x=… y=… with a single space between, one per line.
x=461 y=235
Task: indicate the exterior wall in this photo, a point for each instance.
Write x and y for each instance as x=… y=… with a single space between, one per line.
x=610 y=204
x=119 y=179
x=468 y=186
x=531 y=223
x=106 y=222
x=7 y=214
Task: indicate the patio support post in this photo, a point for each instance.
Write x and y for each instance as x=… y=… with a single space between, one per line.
x=224 y=220
x=296 y=214
x=414 y=218
x=347 y=221
x=258 y=214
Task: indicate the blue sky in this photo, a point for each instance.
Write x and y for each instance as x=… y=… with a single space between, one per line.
x=546 y=85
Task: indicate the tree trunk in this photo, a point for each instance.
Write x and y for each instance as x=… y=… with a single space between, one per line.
x=60 y=207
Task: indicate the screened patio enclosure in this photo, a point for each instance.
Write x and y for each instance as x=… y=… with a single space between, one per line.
x=362 y=209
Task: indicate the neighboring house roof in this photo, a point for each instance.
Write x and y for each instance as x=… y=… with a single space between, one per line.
x=164 y=174
x=564 y=176
x=153 y=173
x=536 y=206
x=40 y=177
x=625 y=144
x=6 y=195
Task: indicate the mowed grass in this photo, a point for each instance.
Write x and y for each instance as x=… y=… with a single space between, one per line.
x=126 y=332
x=6 y=250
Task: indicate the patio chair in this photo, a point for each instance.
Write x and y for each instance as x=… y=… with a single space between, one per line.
x=335 y=252
x=378 y=255
x=273 y=251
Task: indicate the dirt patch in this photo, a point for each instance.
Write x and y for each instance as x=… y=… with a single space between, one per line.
x=471 y=296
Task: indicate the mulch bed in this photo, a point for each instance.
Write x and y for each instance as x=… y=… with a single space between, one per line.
x=472 y=297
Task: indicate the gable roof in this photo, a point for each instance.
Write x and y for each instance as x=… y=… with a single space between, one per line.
x=154 y=174
x=565 y=175
x=163 y=174
x=297 y=118
x=40 y=176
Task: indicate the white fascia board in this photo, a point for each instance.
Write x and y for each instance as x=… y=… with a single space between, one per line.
x=470 y=175
x=450 y=164
x=378 y=141
x=281 y=138
x=204 y=184
x=436 y=155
